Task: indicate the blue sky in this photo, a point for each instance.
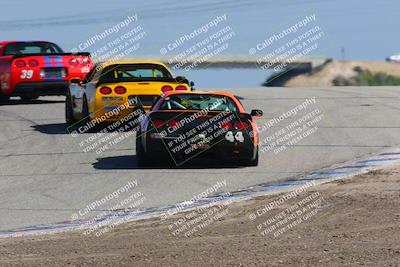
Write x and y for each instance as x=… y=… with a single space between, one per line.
x=366 y=29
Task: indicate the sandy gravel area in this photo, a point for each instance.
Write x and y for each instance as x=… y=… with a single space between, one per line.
x=355 y=222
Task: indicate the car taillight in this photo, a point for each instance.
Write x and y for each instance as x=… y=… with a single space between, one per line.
x=105 y=90
x=172 y=123
x=33 y=63
x=180 y=87
x=85 y=62
x=73 y=62
x=166 y=88
x=120 y=90
x=241 y=125
x=226 y=125
x=158 y=123
x=20 y=63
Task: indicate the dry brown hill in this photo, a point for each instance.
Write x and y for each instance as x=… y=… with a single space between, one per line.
x=331 y=70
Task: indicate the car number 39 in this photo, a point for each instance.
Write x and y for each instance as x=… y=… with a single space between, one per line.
x=231 y=137
x=26 y=74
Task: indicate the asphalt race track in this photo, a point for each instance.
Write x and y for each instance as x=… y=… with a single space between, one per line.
x=46 y=177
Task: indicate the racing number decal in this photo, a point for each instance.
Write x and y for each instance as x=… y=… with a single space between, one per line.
x=26 y=74
x=231 y=138
x=239 y=137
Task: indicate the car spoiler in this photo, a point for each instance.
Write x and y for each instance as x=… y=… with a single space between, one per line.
x=160 y=114
x=56 y=54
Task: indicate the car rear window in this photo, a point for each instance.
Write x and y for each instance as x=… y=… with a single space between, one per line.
x=24 y=48
x=135 y=72
x=199 y=102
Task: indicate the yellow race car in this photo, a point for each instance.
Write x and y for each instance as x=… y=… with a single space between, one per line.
x=112 y=91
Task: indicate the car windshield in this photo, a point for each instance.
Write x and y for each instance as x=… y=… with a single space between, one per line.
x=199 y=102
x=135 y=72
x=24 y=48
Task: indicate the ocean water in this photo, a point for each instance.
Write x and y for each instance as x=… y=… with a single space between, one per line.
x=225 y=78
x=365 y=29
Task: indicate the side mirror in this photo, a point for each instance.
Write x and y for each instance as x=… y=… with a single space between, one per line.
x=256 y=113
x=76 y=81
x=191 y=84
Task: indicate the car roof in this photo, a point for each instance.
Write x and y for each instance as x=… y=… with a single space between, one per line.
x=199 y=93
x=106 y=64
x=220 y=93
x=14 y=41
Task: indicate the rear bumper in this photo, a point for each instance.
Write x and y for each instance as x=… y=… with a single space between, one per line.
x=46 y=88
x=112 y=112
x=224 y=151
x=130 y=115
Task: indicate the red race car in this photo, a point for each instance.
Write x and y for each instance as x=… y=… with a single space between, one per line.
x=38 y=68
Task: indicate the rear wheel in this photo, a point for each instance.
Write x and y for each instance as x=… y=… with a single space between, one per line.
x=4 y=98
x=29 y=97
x=69 y=113
x=86 y=118
x=85 y=109
x=251 y=162
x=142 y=158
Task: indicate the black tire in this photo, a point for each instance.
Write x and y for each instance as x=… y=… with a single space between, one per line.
x=4 y=98
x=69 y=114
x=86 y=118
x=29 y=97
x=251 y=162
x=85 y=109
x=93 y=127
x=142 y=158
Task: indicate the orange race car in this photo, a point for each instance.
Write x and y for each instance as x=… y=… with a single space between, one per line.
x=184 y=125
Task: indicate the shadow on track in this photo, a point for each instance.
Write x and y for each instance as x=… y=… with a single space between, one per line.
x=129 y=162
x=13 y=102
x=63 y=128
x=53 y=128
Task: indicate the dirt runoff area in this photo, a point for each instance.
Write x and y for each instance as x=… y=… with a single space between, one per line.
x=354 y=222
